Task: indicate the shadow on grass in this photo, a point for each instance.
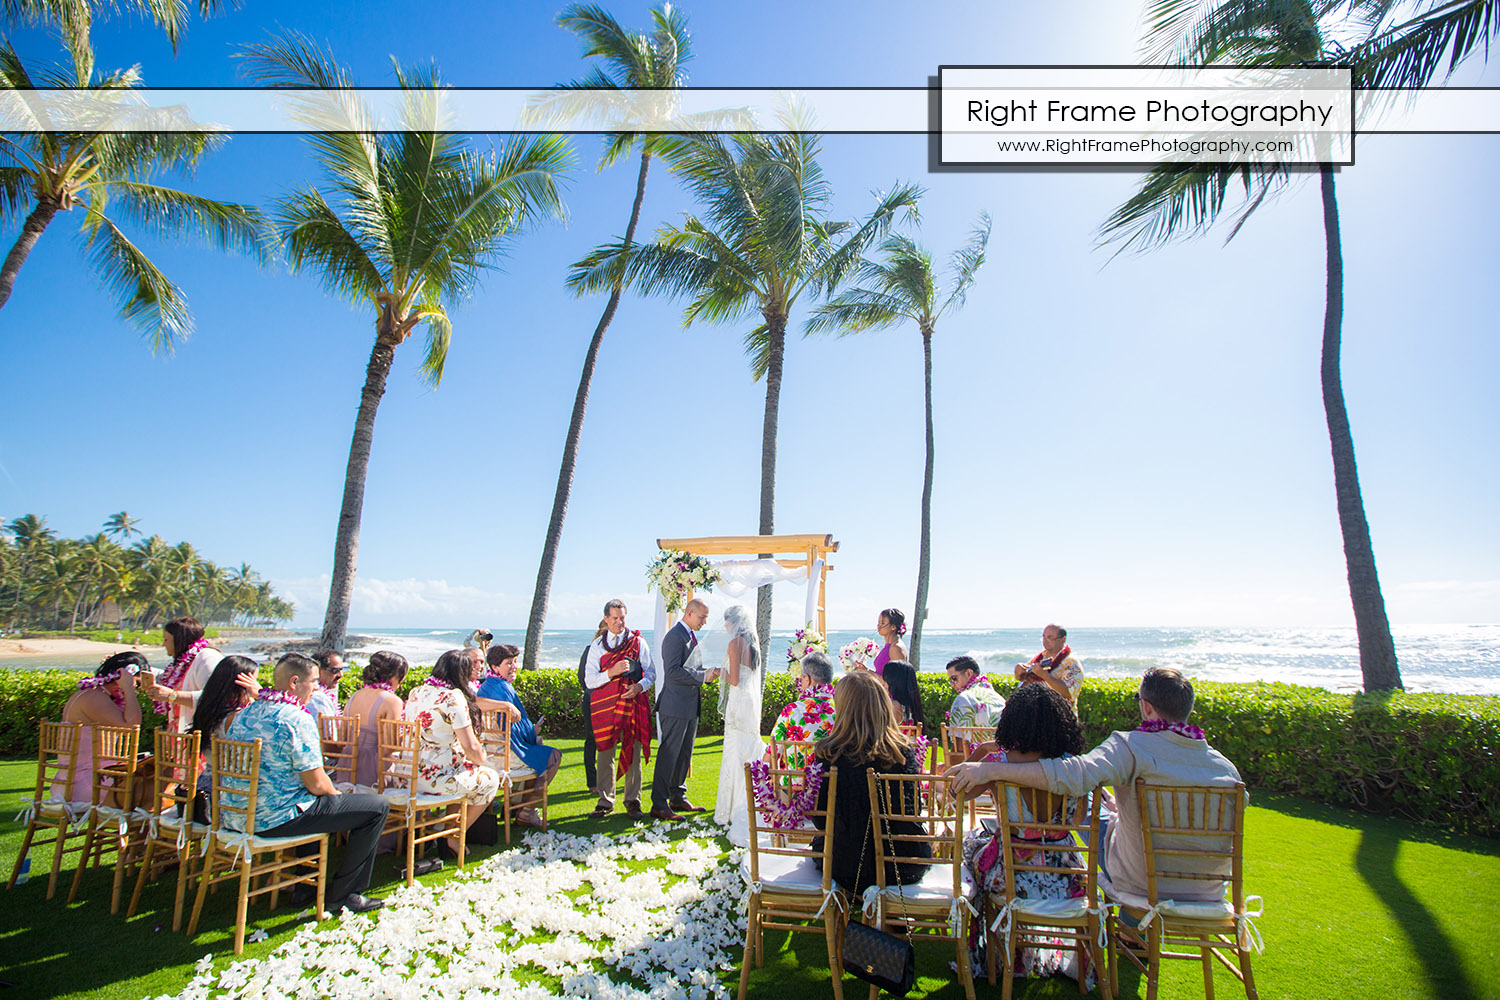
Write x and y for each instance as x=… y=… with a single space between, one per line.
x=1376 y=862
x=1366 y=823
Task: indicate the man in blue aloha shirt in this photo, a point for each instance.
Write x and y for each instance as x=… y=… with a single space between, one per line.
x=295 y=795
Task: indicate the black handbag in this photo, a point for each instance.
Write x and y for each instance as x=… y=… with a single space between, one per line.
x=877 y=956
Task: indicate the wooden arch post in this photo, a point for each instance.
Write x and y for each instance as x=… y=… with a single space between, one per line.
x=791 y=551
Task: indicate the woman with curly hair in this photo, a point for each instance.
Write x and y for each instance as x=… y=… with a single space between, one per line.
x=1037 y=723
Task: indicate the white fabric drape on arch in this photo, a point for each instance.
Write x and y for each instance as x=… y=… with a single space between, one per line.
x=745 y=576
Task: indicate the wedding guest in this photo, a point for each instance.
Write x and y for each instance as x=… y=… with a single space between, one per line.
x=106 y=699
x=1164 y=749
x=450 y=759
x=865 y=736
x=1036 y=723
x=231 y=687
x=901 y=681
x=193 y=659
x=498 y=690
x=294 y=794
x=810 y=715
x=975 y=701
x=1054 y=666
x=325 y=696
x=590 y=748
x=377 y=700
x=890 y=626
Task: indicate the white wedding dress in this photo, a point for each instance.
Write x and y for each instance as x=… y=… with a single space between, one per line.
x=740 y=705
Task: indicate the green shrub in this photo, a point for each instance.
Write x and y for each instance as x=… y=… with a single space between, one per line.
x=1432 y=758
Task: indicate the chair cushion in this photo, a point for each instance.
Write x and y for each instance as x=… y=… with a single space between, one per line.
x=521 y=772
x=936 y=886
x=1196 y=909
x=784 y=873
x=171 y=824
x=1049 y=909
x=51 y=809
x=398 y=797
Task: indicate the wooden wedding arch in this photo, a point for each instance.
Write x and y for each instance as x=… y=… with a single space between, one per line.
x=791 y=551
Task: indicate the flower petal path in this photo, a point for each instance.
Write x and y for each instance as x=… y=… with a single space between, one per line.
x=625 y=917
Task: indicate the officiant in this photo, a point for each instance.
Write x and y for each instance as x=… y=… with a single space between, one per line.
x=679 y=703
x=619 y=673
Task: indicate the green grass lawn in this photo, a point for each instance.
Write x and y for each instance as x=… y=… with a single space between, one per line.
x=1355 y=906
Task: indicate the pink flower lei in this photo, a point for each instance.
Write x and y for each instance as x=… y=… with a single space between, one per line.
x=116 y=696
x=177 y=669
x=381 y=685
x=1162 y=725
x=781 y=815
x=438 y=682
x=281 y=697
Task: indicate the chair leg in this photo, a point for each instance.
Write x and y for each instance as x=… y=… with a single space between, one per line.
x=835 y=959
x=1153 y=959
x=205 y=878
x=463 y=835
x=15 y=871
x=1207 y=954
x=1244 y=956
x=965 y=966
x=83 y=861
x=411 y=849
x=122 y=854
x=140 y=882
x=1007 y=962
x=242 y=904
x=57 y=856
x=752 y=931
x=184 y=879
x=320 y=887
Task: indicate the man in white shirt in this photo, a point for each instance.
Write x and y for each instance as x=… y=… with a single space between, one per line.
x=619 y=674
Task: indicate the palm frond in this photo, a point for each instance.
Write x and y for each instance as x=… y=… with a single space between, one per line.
x=1412 y=54
x=757 y=344
x=170 y=212
x=1180 y=200
x=148 y=298
x=316 y=239
x=15 y=192
x=439 y=335
x=966 y=261
x=600 y=271
x=839 y=264
x=857 y=310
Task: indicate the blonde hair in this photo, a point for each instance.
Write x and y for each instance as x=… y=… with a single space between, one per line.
x=864 y=723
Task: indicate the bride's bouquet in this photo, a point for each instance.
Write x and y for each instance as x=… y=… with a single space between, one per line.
x=804 y=641
x=677 y=574
x=854 y=655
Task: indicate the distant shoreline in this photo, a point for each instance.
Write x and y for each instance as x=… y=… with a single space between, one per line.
x=41 y=648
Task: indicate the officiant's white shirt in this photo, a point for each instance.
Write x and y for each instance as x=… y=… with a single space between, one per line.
x=593 y=676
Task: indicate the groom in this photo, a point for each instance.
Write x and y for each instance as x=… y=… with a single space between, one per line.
x=679 y=701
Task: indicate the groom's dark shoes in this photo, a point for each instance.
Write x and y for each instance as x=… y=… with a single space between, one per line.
x=665 y=814
x=633 y=811
x=684 y=806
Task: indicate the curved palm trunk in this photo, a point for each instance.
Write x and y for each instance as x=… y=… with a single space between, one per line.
x=924 y=557
x=1377 y=651
x=543 y=589
x=776 y=323
x=31 y=231
x=346 y=545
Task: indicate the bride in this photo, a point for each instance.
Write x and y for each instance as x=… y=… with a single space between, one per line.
x=739 y=704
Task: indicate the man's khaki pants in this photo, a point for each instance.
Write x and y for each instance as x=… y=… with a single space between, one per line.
x=607 y=778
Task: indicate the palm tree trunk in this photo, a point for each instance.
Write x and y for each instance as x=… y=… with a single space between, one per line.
x=924 y=557
x=346 y=545
x=1377 y=651
x=30 y=233
x=543 y=589
x=776 y=323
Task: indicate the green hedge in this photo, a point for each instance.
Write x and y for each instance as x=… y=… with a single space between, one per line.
x=1432 y=758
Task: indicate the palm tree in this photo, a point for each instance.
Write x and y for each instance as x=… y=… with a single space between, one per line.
x=110 y=174
x=763 y=242
x=632 y=60
x=422 y=217
x=75 y=19
x=1176 y=200
x=901 y=286
x=122 y=526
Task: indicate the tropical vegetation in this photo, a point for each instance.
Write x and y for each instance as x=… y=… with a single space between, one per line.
x=414 y=219
x=901 y=286
x=48 y=582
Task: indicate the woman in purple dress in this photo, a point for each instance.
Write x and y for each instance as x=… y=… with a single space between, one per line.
x=891 y=626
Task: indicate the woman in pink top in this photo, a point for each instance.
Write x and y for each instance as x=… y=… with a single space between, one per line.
x=891 y=626
x=105 y=699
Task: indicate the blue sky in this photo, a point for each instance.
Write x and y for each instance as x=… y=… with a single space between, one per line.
x=1135 y=441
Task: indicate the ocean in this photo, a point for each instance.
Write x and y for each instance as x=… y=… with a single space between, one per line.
x=1456 y=659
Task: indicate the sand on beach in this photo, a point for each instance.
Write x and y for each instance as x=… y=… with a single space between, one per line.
x=67 y=647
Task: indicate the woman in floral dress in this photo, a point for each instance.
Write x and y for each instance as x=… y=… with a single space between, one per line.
x=1037 y=722
x=450 y=758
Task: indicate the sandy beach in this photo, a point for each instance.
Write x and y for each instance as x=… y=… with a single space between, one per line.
x=70 y=648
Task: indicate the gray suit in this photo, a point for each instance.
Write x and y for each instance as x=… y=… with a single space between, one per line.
x=679 y=702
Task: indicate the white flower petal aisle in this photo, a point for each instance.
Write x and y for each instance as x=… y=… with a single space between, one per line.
x=597 y=916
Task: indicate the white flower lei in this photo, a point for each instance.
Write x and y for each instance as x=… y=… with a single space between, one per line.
x=626 y=917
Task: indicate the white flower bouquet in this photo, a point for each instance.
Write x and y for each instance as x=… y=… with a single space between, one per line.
x=854 y=655
x=804 y=640
x=677 y=574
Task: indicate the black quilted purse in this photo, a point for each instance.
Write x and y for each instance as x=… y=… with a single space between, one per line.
x=878 y=957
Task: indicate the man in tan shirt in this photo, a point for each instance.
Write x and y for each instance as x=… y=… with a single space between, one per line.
x=1164 y=750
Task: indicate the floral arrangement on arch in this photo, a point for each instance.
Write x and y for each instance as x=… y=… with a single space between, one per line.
x=854 y=655
x=677 y=574
x=804 y=640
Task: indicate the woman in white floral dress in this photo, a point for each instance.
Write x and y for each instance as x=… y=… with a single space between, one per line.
x=450 y=758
